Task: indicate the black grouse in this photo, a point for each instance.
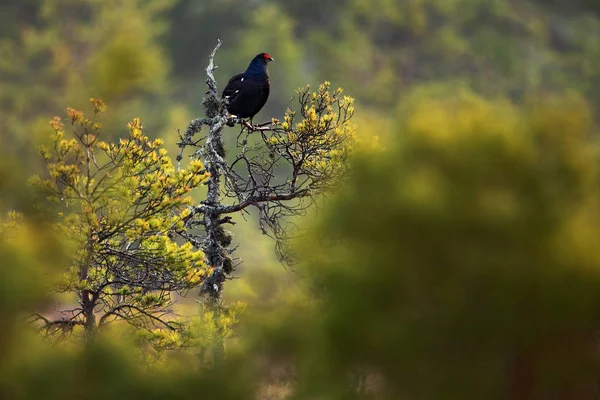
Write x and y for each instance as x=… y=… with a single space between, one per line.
x=248 y=92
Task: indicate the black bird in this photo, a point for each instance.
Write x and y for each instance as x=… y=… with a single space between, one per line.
x=248 y=92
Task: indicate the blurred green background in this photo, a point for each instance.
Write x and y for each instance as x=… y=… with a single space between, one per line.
x=460 y=261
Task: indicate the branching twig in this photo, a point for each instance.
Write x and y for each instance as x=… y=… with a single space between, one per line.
x=310 y=154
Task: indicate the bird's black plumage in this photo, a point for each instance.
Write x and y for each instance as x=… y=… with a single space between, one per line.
x=248 y=92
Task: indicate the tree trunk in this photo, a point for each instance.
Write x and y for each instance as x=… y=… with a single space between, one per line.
x=88 y=298
x=213 y=246
x=88 y=304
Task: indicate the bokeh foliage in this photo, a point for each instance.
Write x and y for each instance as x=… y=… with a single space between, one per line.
x=460 y=260
x=61 y=53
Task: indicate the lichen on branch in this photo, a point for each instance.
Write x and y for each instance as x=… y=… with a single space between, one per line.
x=279 y=169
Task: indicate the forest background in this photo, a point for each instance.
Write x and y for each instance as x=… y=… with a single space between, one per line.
x=462 y=253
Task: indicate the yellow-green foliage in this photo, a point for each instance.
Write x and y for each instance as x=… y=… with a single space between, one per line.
x=459 y=261
x=120 y=205
x=78 y=49
x=130 y=61
x=111 y=370
x=28 y=253
x=211 y=328
x=462 y=261
x=318 y=146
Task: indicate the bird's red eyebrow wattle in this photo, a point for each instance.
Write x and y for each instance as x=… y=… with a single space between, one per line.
x=266 y=56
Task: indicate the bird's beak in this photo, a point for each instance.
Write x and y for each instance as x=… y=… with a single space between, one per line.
x=271 y=59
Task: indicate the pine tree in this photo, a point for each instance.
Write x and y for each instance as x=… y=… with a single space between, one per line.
x=120 y=207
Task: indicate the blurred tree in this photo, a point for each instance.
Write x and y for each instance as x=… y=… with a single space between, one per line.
x=120 y=207
x=16 y=13
x=381 y=49
x=461 y=262
x=64 y=52
x=572 y=7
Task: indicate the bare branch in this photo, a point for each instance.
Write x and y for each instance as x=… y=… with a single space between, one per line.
x=279 y=169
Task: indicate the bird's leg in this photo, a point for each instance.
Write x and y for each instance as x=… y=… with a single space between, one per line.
x=240 y=134
x=248 y=125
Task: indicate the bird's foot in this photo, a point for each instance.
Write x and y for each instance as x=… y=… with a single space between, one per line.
x=231 y=120
x=265 y=126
